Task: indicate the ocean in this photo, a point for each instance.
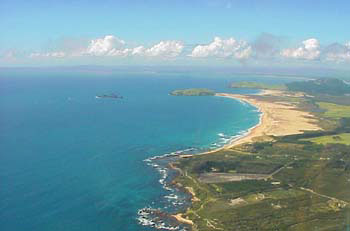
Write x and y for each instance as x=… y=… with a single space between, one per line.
x=72 y=162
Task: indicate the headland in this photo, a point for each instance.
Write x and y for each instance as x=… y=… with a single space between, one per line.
x=286 y=173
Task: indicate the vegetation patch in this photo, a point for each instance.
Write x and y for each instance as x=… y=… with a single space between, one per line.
x=295 y=182
x=343 y=138
x=328 y=86
x=302 y=182
x=335 y=111
x=257 y=85
x=193 y=92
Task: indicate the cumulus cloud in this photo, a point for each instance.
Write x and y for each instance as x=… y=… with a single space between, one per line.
x=165 y=49
x=337 y=52
x=111 y=46
x=108 y=45
x=265 y=47
x=310 y=50
x=223 y=48
x=140 y=50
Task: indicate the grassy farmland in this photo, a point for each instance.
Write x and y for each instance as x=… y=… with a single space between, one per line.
x=294 y=182
x=343 y=138
x=334 y=111
x=297 y=194
x=257 y=85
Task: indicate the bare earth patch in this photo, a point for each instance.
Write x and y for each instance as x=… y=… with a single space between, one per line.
x=237 y=201
x=212 y=177
x=193 y=194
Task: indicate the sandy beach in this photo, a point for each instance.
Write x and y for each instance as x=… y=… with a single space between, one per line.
x=277 y=119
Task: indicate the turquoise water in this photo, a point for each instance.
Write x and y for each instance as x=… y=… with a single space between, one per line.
x=70 y=161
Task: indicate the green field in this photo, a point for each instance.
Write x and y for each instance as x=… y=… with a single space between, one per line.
x=306 y=185
x=193 y=92
x=307 y=190
x=335 y=111
x=257 y=85
x=343 y=138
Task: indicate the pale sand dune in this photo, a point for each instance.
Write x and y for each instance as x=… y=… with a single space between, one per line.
x=278 y=118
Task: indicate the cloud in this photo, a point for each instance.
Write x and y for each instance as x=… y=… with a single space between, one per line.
x=9 y=56
x=166 y=49
x=58 y=54
x=337 y=52
x=106 y=46
x=267 y=45
x=111 y=46
x=310 y=50
x=140 y=50
x=223 y=48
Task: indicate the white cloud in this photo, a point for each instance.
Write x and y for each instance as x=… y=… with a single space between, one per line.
x=58 y=54
x=140 y=50
x=310 y=50
x=265 y=47
x=108 y=45
x=165 y=49
x=223 y=48
x=338 y=53
x=112 y=46
x=119 y=52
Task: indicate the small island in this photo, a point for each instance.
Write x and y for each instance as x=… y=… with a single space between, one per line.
x=193 y=92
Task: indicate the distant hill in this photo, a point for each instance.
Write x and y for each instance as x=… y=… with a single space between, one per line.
x=193 y=92
x=329 y=86
x=257 y=85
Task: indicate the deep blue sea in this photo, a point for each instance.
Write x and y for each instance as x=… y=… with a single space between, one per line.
x=71 y=162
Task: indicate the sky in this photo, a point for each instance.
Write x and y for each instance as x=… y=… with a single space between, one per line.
x=163 y=32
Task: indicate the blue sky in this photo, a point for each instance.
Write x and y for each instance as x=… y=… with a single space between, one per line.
x=41 y=27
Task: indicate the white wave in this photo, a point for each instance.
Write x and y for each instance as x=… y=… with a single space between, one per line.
x=148 y=217
x=172 y=196
x=221 y=135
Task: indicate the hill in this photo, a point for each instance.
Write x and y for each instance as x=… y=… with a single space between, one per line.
x=193 y=92
x=257 y=85
x=329 y=86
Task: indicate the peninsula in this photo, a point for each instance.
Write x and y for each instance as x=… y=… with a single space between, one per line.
x=193 y=92
x=287 y=173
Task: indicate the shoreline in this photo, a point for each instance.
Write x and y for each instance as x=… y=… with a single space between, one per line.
x=231 y=143
x=276 y=119
x=249 y=132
